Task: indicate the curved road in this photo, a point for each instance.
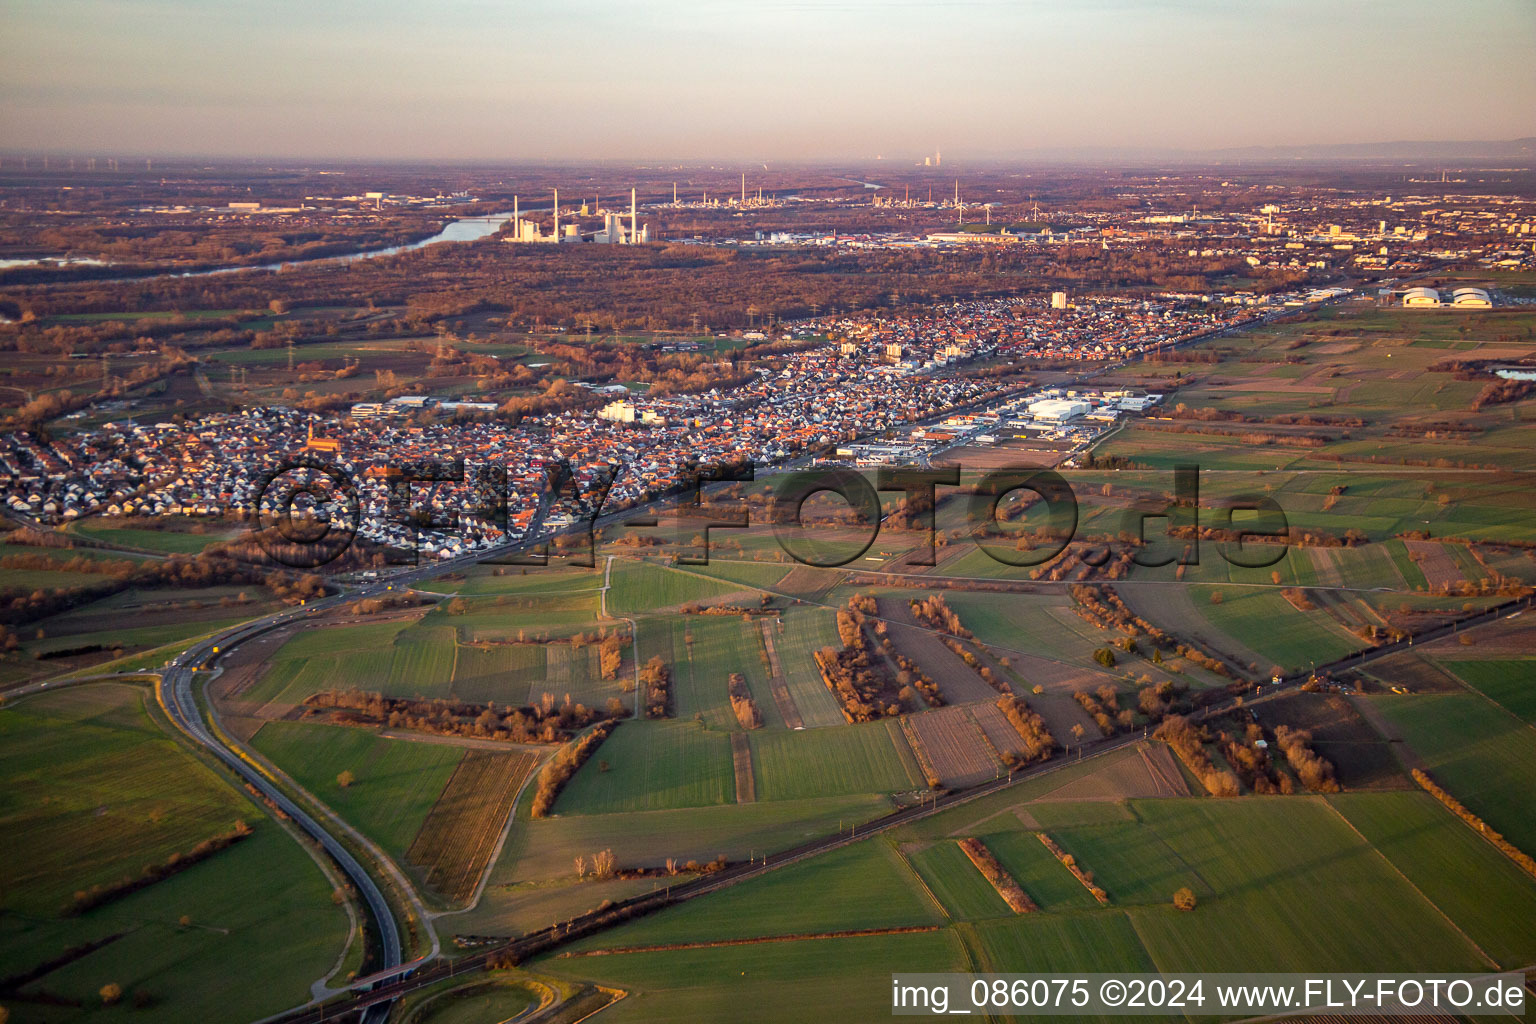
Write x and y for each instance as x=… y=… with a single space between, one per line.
x=177 y=696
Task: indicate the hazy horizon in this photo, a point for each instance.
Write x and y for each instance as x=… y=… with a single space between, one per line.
x=786 y=80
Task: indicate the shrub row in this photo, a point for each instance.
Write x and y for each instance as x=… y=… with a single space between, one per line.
x=1080 y=873
x=96 y=895
x=571 y=756
x=1012 y=893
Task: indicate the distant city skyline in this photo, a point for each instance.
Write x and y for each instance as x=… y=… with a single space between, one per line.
x=799 y=80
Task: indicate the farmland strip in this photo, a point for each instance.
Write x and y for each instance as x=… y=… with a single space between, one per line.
x=457 y=837
x=1007 y=887
x=741 y=761
x=781 y=695
x=800 y=937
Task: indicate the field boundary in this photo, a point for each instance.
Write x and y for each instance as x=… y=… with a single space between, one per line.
x=1410 y=883
x=454 y=868
x=785 y=700
x=669 y=947
x=741 y=763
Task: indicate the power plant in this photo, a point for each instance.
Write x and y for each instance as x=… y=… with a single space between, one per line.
x=613 y=232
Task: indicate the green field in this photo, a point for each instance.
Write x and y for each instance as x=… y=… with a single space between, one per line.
x=434 y=657
x=1131 y=862
x=748 y=574
x=1034 y=867
x=1512 y=683
x=639 y=587
x=653 y=765
x=1481 y=754
x=1439 y=854
x=954 y=881
x=869 y=758
x=475 y=1003
x=1040 y=624
x=1099 y=942
x=703 y=651
x=396 y=781
x=807 y=630
x=172 y=542
x=1359 y=882
x=543 y=849
x=866 y=885
x=767 y=983
x=1295 y=865
x=1269 y=624
x=95 y=791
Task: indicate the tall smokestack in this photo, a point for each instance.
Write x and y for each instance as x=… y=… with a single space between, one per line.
x=557 y=215
x=743 y=188
x=634 y=226
x=674 y=193
x=517 y=227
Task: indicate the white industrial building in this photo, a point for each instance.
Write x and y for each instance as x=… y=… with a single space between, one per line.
x=1058 y=410
x=1461 y=298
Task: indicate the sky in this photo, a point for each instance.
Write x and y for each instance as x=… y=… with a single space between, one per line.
x=508 y=80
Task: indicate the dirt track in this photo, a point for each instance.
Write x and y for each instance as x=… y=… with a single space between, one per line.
x=957 y=681
x=782 y=698
x=741 y=764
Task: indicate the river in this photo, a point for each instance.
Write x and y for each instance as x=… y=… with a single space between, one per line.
x=464 y=229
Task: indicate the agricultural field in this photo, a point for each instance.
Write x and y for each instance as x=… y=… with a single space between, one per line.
x=953 y=744
x=954 y=881
x=1257 y=626
x=866 y=885
x=394 y=783
x=458 y=837
x=805 y=631
x=123 y=629
x=1303 y=865
x=434 y=655
x=637 y=587
x=845 y=760
x=651 y=766
x=1438 y=853
x=490 y=580
x=957 y=681
x=541 y=850
x=166 y=536
x=1479 y=752
x=1030 y=864
x=1511 y=683
x=97 y=790
x=761 y=983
